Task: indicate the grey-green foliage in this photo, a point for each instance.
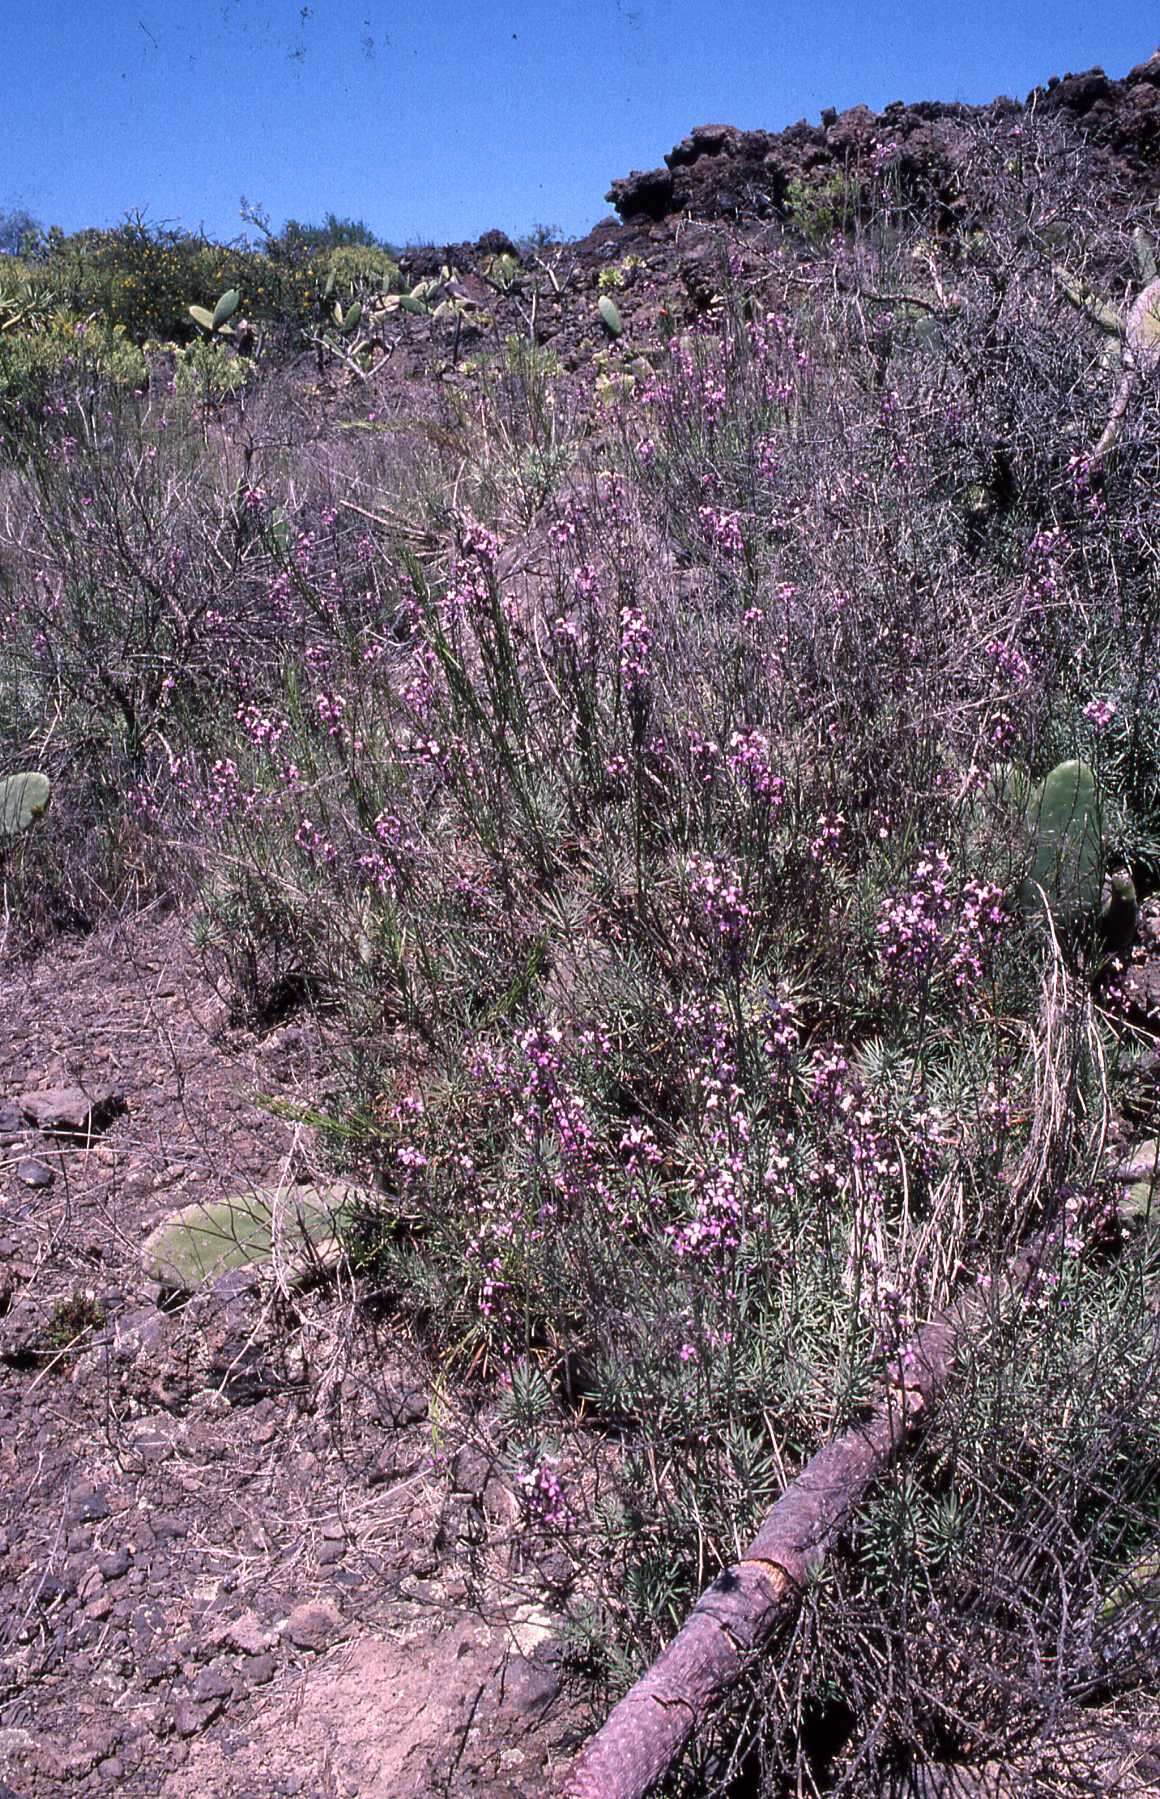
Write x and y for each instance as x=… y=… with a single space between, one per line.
x=294 y=1234
x=23 y=798
x=218 y=321
x=610 y=315
x=347 y=318
x=1063 y=814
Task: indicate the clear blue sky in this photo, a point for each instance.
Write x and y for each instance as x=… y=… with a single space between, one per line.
x=438 y=119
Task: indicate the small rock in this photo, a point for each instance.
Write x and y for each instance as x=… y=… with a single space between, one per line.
x=114 y=1562
x=330 y=1553
x=313 y=1624
x=528 y=1686
x=34 y=1173
x=470 y=1472
x=189 y=1716
x=247 y=1634
x=213 y=1682
x=70 y=1111
x=86 y=1505
x=260 y=1669
x=11 y=1118
x=406 y=1405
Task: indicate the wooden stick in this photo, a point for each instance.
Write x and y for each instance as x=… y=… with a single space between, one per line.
x=750 y=1603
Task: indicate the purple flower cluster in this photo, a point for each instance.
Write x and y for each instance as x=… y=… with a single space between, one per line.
x=719 y=898
x=932 y=928
x=635 y=647
x=1100 y=713
x=554 y=1122
x=748 y=756
x=542 y=1495
x=722 y=530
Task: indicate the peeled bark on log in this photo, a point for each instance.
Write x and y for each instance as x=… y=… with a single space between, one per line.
x=747 y=1605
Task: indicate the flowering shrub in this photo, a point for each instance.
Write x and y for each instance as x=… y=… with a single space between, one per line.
x=632 y=805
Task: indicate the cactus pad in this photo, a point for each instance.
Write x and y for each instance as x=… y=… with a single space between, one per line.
x=293 y=1233
x=23 y=798
x=1064 y=817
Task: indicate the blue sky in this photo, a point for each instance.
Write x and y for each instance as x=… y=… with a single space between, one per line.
x=436 y=121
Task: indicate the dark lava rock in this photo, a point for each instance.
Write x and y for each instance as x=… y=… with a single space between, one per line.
x=86 y=1505
x=114 y=1563
x=214 y=1682
x=470 y=1472
x=719 y=171
x=34 y=1173
x=190 y=1715
x=529 y=1686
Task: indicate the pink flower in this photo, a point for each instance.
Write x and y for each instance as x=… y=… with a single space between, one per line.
x=1100 y=713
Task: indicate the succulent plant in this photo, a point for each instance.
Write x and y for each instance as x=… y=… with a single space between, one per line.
x=23 y=798
x=217 y=322
x=1063 y=814
x=610 y=315
x=348 y=320
x=1119 y=912
x=295 y=1233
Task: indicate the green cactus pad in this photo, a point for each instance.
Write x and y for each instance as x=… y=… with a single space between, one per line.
x=294 y=1234
x=202 y=316
x=23 y=798
x=226 y=307
x=1145 y=254
x=1064 y=818
x=1119 y=913
x=610 y=315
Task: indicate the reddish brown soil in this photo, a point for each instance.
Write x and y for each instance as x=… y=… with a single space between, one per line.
x=218 y=1522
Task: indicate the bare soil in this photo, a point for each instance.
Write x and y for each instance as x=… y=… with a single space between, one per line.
x=237 y=1555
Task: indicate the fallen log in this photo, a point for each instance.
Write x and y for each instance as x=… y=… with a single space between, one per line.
x=750 y=1603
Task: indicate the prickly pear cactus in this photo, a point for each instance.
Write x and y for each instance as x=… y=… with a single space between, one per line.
x=23 y=799
x=1119 y=913
x=610 y=315
x=217 y=322
x=292 y=1234
x=1063 y=815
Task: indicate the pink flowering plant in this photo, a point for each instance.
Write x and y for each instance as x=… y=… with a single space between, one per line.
x=636 y=800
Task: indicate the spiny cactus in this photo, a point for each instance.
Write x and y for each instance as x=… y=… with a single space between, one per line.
x=1119 y=913
x=347 y=321
x=217 y=322
x=296 y=1233
x=610 y=315
x=23 y=798
x=1064 y=817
